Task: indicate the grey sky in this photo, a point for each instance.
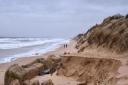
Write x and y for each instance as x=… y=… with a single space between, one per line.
x=54 y=18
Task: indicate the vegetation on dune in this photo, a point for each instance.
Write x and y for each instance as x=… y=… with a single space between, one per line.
x=112 y=33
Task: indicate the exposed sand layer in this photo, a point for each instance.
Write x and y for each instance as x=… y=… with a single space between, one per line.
x=93 y=59
x=91 y=70
x=58 y=80
x=111 y=67
x=27 y=60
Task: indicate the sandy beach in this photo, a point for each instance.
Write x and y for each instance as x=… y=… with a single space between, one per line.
x=26 y=60
x=58 y=80
x=98 y=57
x=94 y=54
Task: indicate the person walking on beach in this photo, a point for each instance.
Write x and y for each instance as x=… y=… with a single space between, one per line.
x=65 y=45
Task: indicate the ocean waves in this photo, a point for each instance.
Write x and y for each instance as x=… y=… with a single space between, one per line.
x=21 y=47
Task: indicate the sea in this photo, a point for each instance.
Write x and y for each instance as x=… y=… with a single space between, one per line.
x=13 y=48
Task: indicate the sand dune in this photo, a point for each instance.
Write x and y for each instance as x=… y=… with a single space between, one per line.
x=98 y=57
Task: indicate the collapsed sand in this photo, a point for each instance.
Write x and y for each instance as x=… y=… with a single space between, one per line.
x=99 y=69
x=95 y=71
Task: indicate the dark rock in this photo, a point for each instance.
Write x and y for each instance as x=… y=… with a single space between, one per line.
x=50 y=65
x=82 y=84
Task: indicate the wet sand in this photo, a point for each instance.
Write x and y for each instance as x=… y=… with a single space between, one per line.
x=88 y=53
x=25 y=60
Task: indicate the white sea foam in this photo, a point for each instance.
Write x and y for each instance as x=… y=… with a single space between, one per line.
x=18 y=43
x=8 y=43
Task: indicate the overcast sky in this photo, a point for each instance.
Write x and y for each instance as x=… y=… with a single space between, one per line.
x=54 y=18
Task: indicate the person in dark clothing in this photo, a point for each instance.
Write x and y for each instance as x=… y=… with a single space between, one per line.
x=66 y=45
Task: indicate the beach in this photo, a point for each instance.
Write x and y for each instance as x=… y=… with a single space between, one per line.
x=115 y=63
x=97 y=57
x=28 y=59
x=63 y=42
x=13 y=48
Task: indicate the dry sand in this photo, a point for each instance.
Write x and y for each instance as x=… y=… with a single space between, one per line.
x=62 y=80
x=25 y=60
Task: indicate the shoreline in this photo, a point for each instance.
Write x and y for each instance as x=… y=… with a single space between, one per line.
x=10 y=55
x=26 y=60
x=20 y=61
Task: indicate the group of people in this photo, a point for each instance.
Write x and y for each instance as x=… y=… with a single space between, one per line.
x=65 y=45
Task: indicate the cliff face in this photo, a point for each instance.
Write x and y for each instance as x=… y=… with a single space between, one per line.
x=23 y=75
x=93 y=71
x=88 y=68
x=112 y=34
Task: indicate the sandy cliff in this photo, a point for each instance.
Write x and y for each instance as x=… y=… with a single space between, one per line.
x=112 y=34
x=98 y=57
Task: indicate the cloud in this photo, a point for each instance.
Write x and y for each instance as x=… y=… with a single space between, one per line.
x=54 y=18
